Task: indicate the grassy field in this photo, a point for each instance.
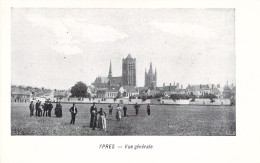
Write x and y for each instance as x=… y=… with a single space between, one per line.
x=164 y=120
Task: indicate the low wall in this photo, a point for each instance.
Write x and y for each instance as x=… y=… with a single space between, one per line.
x=208 y=102
x=176 y=102
x=150 y=101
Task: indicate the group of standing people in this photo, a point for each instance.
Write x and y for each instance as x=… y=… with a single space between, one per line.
x=97 y=118
x=45 y=109
x=119 y=109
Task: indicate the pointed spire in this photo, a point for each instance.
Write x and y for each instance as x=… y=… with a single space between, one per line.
x=129 y=56
x=110 y=70
x=151 y=68
x=145 y=71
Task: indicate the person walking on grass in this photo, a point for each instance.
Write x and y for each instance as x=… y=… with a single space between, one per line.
x=136 y=109
x=31 y=106
x=73 y=111
x=118 y=113
x=125 y=109
x=93 y=112
x=148 y=109
x=110 y=109
x=102 y=125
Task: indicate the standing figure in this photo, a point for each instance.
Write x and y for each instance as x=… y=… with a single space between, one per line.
x=118 y=113
x=93 y=112
x=148 y=109
x=59 y=110
x=110 y=109
x=102 y=120
x=40 y=110
x=56 y=110
x=136 y=109
x=125 y=109
x=50 y=106
x=37 y=106
x=31 y=108
x=45 y=108
x=73 y=111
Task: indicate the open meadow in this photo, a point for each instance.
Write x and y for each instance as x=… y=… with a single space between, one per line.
x=165 y=120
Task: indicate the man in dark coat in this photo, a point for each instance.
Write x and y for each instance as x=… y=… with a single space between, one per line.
x=148 y=109
x=37 y=105
x=136 y=109
x=125 y=109
x=31 y=108
x=93 y=112
x=45 y=108
x=110 y=109
x=59 y=110
x=73 y=111
x=50 y=106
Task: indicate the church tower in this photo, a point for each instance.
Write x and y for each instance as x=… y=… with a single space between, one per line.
x=129 y=71
x=151 y=78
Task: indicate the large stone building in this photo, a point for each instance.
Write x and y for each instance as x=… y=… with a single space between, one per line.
x=150 y=78
x=109 y=81
x=129 y=71
x=128 y=77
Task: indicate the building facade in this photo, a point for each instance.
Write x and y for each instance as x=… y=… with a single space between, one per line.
x=150 y=78
x=109 y=81
x=129 y=71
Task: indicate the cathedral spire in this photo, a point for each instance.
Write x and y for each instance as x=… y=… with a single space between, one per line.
x=151 y=68
x=110 y=70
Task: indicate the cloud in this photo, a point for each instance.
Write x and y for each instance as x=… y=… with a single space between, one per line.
x=69 y=32
x=184 y=29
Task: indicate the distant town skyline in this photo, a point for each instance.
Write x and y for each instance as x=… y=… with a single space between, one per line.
x=55 y=48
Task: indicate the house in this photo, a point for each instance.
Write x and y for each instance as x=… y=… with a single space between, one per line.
x=199 y=90
x=143 y=91
x=19 y=95
x=60 y=94
x=217 y=92
x=227 y=92
x=112 y=92
x=101 y=93
x=130 y=91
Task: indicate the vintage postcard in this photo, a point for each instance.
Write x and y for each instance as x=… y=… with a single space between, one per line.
x=123 y=72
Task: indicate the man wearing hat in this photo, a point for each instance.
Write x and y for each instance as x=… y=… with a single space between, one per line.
x=93 y=113
x=37 y=105
x=73 y=111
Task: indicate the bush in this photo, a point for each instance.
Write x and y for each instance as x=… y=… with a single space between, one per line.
x=79 y=90
x=179 y=96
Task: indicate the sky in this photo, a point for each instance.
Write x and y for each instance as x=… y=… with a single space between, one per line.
x=55 y=48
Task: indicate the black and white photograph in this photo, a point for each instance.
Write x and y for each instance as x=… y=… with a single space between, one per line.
x=123 y=72
x=129 y=81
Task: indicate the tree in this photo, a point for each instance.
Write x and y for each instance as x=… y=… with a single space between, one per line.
x=79 y=90
x=179 y=96
x=210 y=96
